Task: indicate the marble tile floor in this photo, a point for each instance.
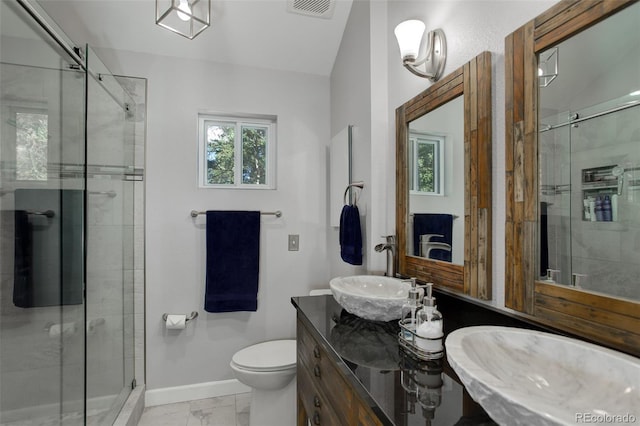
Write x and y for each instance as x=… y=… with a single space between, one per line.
x=231 y=410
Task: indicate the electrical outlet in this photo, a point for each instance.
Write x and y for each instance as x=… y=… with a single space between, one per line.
x=294 y=242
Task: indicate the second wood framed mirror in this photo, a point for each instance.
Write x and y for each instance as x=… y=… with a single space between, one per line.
x=564 y=153
x=464 y=263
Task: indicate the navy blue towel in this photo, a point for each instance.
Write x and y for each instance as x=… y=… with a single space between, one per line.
x=544 y=239
x=350 y=235
x=433 y=223
x=48 y=267
x=22 y=269
x=233 y=257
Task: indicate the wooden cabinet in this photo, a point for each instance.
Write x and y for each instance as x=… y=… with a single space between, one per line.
x=325 y=395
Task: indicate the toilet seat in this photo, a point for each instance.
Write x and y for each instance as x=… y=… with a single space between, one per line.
x=275 y=355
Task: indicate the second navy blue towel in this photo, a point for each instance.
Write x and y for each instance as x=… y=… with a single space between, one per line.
x=350 y=235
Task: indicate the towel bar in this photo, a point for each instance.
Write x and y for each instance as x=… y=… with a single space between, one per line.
x=48 y=213
x=193 y=315
x=277 y=213
x=455 y=216
x=107 y=193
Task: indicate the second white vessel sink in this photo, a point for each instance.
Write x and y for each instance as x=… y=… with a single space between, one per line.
x=371 y=297
x=525 y=377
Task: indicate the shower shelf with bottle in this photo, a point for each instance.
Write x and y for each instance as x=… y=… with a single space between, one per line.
x=601 y=188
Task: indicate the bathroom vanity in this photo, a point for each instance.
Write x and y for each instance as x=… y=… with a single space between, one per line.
x=352 y=372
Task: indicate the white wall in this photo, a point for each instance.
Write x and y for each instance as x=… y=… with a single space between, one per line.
x=175 y=243
x=471 y=27
x=367 y=84
x=358 y=98
x=351 y=104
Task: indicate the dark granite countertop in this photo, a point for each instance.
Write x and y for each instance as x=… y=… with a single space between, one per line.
x=400 y=389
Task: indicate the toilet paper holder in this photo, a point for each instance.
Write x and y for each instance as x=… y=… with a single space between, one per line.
x=193 y=315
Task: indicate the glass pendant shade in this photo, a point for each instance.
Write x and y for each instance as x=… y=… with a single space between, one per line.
x=409 y=35
x=185 y=17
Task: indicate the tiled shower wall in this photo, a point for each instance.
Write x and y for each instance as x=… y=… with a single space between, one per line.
x=608 y=253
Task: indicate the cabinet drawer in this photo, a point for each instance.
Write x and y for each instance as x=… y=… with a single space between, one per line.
x=315 y=403
x=324 y=374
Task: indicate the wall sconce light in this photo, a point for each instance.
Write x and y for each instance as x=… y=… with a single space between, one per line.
x=185 y=17
x=410 y=34
x=547 y=67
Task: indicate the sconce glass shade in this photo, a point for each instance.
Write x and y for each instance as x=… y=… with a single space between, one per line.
x=409 y=35
x=185 y=17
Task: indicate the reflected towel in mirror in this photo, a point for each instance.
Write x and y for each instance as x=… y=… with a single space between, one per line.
x=433 y=223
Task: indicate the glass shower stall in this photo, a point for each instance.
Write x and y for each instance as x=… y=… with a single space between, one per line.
x=589 y=159
x=67 y=174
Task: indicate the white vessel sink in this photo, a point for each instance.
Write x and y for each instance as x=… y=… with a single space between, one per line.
x=524 y=377
x=371 y=297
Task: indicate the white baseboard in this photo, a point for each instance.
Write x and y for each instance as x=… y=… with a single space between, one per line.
x=196 y=391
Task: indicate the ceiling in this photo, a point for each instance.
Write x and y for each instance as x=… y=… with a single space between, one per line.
x=258 y=33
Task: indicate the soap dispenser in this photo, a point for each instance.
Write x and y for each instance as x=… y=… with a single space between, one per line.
x=409 y=310
x=429 y=326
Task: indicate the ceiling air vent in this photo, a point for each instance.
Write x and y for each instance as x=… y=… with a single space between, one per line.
x=317 y=8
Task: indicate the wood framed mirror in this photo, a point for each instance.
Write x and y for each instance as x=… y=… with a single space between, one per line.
x=471 y=275
x=594 y=312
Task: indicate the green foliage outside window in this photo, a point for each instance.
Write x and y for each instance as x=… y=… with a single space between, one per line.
x=220 y=154
x=254 y=155
x=425 y=163
x=221 y=146
x=426 y=167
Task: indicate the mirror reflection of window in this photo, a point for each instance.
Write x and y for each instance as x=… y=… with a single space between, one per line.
x=426 y=171
x=31 y=145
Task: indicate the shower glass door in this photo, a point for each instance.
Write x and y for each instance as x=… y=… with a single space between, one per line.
x=605 y=145
x=42 y=150
x=109 y=258
x=66 y=228
x=590 y=198
x=589 y=158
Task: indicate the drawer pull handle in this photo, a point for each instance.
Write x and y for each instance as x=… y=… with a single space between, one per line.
x=316 y=418
x=316 y=371
x=316 y=352
x=316 y=401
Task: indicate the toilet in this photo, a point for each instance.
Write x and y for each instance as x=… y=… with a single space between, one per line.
x=269 y=368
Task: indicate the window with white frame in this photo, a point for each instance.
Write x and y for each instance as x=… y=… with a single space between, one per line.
x=426 y=164
x=237 y=151
x=31 y=143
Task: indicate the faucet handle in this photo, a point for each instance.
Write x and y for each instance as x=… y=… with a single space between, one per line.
x=425 y=238
x=389 y=238
x=577 y=279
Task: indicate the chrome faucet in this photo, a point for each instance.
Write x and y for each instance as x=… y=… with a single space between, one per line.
x=390 y=246
x=434 y=245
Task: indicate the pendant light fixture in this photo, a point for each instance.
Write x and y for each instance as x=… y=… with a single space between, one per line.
x=185 y=17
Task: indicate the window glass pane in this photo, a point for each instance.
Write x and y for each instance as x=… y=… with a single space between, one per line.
x=220 y=153
x=31 y=146
x=426 y=156
x=254 y=155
